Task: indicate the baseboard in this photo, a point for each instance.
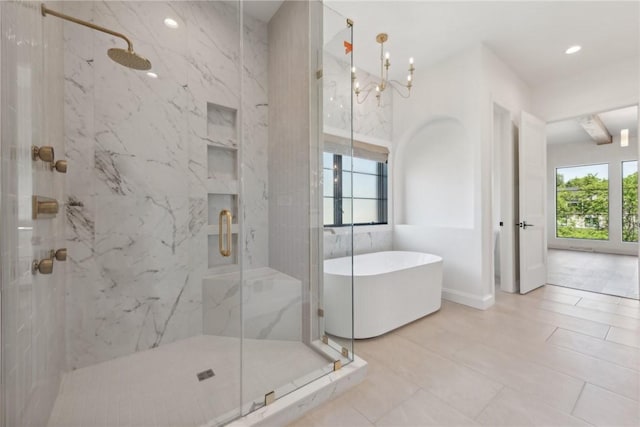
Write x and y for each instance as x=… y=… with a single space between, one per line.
x=475 y=301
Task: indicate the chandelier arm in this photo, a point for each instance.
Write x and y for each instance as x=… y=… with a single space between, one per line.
x=398 y=90
x=366 y=95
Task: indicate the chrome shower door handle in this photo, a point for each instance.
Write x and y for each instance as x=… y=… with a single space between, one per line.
x=225 y=252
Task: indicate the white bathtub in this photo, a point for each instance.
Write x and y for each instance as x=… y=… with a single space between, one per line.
x=390 y=289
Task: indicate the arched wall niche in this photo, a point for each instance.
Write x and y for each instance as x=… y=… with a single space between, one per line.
x=434 y=170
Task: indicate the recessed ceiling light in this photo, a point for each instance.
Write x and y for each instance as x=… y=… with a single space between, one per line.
x=573 y=49
x=171 y=23
x=152 y=75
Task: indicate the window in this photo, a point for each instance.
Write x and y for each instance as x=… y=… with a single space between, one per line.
x=582 y=202
x=366 y=178
x=630 y=201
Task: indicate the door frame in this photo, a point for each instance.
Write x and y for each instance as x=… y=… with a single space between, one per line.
x=505 y=197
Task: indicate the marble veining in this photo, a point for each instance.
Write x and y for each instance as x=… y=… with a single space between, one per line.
x=137 y=198
x=339 y=245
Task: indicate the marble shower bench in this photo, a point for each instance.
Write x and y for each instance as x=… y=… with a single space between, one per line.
x=272 y=305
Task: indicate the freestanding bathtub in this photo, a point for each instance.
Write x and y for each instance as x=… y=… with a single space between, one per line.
x=390 y=289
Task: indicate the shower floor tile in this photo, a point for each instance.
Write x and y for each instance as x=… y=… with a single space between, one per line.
x=159 y=387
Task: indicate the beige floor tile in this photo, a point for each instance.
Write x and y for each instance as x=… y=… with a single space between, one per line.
x=558 y=390
x=510 y=408
x=425 y=333
x=545 y=293
x=520 y=307
x=336 y=413
x=622 y=355
x=594 y=315
x=302 y=422
x=424 y=409
x=603 y=408
x=624 y=336
x=464 y=389
x=619 y=309
x=581 y=366
x=584 y=294
x=381 y=391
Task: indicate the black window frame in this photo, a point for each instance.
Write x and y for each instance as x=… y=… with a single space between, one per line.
x=381 y=198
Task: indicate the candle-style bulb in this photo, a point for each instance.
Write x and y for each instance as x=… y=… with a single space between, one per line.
x=377 y=88
x=409 y=78
x=357 y=85
x=411 y=60
x=353 y=69
x=386 y=55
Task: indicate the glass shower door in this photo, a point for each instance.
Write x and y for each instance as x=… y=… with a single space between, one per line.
x=336 y=159
x=281 y=228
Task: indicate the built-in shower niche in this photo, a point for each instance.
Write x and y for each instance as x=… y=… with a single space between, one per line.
x=222 y=186
x=222 y=163
x=221 y=125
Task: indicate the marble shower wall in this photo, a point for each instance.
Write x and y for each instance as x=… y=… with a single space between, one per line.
x=339 y=244
x=33 y=305
x=137 y=148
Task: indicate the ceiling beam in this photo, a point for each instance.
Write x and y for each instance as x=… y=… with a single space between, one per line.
x=595 y=128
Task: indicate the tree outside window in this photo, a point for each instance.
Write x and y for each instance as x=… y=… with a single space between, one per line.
x=630 y=201
x=582 y=202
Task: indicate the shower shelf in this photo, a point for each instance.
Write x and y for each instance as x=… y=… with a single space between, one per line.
x=218 y=186
x=213 y=230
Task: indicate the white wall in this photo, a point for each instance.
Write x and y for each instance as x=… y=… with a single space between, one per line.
x=462 y=90
x=509 y=96
x=447 y=103
x=586 y=153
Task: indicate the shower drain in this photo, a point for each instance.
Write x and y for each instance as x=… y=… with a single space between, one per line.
x=205 y=375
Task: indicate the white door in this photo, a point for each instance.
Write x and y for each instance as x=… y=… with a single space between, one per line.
x=532 y=147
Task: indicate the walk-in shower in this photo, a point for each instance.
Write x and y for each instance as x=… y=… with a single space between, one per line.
x=190 y=210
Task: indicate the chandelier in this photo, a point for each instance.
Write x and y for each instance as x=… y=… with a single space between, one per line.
x=383 y=83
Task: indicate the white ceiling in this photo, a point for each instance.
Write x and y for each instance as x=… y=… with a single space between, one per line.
x=569 y=131
x=530 y=36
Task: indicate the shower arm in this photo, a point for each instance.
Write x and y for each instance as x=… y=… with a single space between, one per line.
x=46 y=11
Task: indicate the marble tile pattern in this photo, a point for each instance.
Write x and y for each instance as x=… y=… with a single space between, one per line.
x=271 y=305
x=138 y=178
x=368 y=118
x=529 y=360
x=33 y=352
x=339 y=244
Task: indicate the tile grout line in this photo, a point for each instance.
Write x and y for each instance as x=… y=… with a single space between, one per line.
x=584 y=384
x=577 y=302
x=490 y=401
x=607 y=334
x=393 y=408
x=550 y=335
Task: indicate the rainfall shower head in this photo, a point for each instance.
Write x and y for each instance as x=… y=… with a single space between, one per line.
x=129 y=59
x=126 y=57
